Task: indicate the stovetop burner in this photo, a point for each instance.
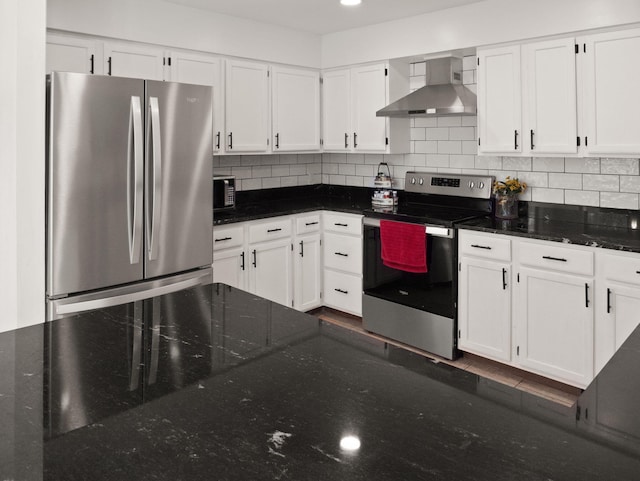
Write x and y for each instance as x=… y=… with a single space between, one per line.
x=439 y=199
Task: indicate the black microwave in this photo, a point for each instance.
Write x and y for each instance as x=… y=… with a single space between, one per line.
x=224 y=192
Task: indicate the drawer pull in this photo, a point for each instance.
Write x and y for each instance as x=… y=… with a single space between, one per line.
x=480 y=247
x=637 y=272
x=341 y=291
x=274 y=230
x=255 y=260
x=341 y=254
x=504 y=279
x=341 y=225
x=554 y=258
x=242 y=257
x=301 y=248
x=223 y=239
x=608 y=300
x=312 y=223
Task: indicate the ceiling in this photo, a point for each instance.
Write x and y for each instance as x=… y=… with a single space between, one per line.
x=322 y=16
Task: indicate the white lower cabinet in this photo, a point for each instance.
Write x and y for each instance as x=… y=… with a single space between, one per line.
x=270 y=271
x=307 y=263
x=229 y=255
x=555 y=325
x=279 y=258
x=484 y=328
x=531 y=306
x=618 y=302
x=342 y=251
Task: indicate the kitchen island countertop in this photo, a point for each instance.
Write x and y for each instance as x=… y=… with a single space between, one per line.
x=215 y=383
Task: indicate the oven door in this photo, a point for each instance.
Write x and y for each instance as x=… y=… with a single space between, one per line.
x=415 y=309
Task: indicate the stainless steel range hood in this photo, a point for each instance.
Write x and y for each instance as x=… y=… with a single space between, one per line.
x=443 y=95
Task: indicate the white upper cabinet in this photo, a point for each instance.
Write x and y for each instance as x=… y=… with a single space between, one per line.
x=295 y=109
x=137 y=61
x=612 y=97
x=246 y=106
x=550 y=108
x=351 y=98
x=203 y=70
x=71 y=54
x=336 y=115
x=499 y=100
x=369 y=94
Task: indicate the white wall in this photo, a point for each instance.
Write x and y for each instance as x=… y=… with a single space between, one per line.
x=22 y=166
x=178 y=26
x=475 y=25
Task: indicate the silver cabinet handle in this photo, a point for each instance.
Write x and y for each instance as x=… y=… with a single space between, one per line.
x=154 y=194
x=135 y=176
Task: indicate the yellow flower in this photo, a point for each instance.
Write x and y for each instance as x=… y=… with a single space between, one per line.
x=509 y=186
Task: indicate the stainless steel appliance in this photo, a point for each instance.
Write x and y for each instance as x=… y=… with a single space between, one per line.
x=419 y=309
x=129 y=197
x=224 y=192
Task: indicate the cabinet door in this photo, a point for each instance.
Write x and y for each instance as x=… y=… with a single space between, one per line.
x=307 y=273
x=499 y=100
x=70 y=54
x=368 y=95
x=296 y=109
x=336 y=110
x=124 y=60
x=246 y=106
x=550 y=107
x=270 y=273
x=229 y=267
x=617 y=320
x=554 y=316
x=202 y=70
x=485 y=327
x=612 y=94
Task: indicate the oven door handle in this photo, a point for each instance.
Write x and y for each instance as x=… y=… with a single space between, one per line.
x=434 y=230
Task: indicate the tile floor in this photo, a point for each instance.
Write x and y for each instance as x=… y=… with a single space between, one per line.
x=540 y=386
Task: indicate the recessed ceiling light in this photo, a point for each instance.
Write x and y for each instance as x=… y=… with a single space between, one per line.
x=350 y=2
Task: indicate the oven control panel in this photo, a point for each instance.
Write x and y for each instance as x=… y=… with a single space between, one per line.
x=475 y=186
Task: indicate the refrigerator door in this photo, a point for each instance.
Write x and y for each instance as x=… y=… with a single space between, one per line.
x=95 y=182
x=178 y=193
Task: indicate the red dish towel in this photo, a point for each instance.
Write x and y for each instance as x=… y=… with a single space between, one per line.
x=403 y=246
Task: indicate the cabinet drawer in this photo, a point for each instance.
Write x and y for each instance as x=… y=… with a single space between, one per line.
x=343 y=291
x=343 y=253
x=269 y=230
x=487 y=246
x=622 y=268
x=227 y=236
x=547 y=256
x=307 y=223
x=343 y=223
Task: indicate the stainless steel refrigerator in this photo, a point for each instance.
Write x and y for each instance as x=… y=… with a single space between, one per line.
x=129 y=190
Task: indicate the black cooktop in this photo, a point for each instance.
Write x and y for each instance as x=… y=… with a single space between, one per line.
x=445 y=213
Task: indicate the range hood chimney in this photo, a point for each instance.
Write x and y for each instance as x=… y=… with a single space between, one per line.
x=443 y=95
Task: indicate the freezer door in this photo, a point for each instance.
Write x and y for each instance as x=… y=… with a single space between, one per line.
x=178 y=193
x=95 y=180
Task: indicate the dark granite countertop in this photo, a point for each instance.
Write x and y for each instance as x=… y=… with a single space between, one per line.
x=595 y=227
x=252 y=205
x=215 y=383
x=616 y=229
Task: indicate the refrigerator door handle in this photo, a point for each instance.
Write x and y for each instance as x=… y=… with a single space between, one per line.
x=154 y=194
x=134 y=179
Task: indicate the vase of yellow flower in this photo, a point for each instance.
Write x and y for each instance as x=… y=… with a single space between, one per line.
x=506 y=197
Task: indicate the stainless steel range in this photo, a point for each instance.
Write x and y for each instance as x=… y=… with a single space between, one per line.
x=415 y=303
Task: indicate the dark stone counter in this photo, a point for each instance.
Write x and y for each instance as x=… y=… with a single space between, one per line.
x=215 y=383
x=252 y=205
x=596 y=227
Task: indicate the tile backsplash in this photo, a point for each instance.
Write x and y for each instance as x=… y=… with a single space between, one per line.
x=448 y=145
